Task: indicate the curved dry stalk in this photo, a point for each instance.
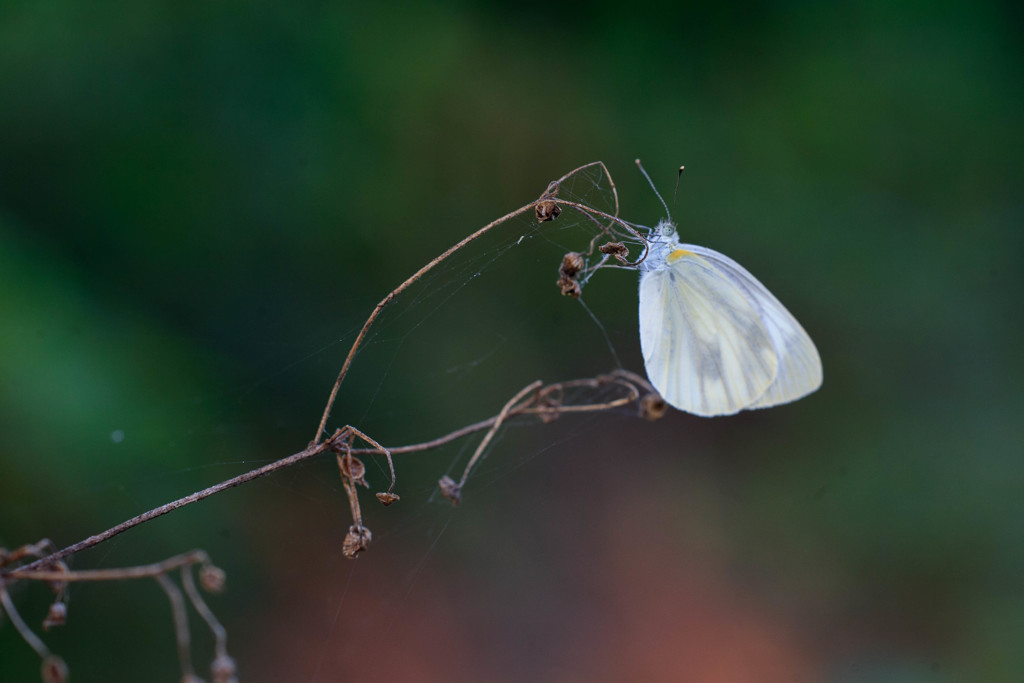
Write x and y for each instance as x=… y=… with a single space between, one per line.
x=27 y=634
x=32 y=570
x=170 y=507
x=220 y=634
x=437 y=260
x=533 y=386
x=35 y=570
x=181 y=632
x=120 y=574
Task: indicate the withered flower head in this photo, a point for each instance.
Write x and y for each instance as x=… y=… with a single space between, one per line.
x=617 y=249
x=56 y=616
x=653 y=407
x=356 y=541
x=450 y=490
x=211 y=578
x=353 y=468
x=387 y=498
x=547 y=210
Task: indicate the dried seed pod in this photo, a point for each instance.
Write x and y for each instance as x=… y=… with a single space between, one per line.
x=356 y=541
x=653 y=407
x=569 y=287
x=617 y=249
x=56 y=616
x=387 y=498
x=572 y=263
x=211 y=578
x=353 y=468
x=54 y=670
x=224 y=670
x=450 y=490
x=547 y=210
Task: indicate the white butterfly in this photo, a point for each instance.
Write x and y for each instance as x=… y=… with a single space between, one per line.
x=715 y=341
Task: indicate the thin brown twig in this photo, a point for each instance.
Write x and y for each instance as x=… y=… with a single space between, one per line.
x=220 y=634
x=172 y=506
x=33 y=569
x=533 y=386
x=122 y=573
x=315 y=448
x=437 y=260
x=27 y=634
x=181 y=632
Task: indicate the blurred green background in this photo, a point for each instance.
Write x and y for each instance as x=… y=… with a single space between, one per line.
x=200 y=202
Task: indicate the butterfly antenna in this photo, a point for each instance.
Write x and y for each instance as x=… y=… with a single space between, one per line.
x=651 y=183
x=676 y=191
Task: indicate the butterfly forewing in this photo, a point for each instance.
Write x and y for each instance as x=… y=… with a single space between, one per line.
x=706 y=347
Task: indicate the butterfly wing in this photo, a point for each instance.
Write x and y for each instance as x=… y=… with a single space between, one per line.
x=705 y=343
x=799 y=365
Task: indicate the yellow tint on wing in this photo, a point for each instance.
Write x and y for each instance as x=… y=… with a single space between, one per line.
x=678 y=254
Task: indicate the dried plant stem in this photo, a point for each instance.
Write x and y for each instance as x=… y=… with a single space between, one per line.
x=181 y=632
x=316 y=447
x=627 y=380
x=139 y=572
x=220 y=635
x=26 y=633
x=430 y=266
x=170 y=507
x=494 y=428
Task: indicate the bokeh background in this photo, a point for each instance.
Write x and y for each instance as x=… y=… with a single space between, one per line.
x=200 y=202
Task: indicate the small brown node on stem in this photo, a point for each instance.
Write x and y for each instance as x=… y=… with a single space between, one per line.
x=356 y=540
x=224 y=670
x=56 y=616
x=617 y=249
x=572 y=264
x=387 y=498
x=652 y=407
x=54 y=670
x=569 y=287
x=548 y=403
x=450 y=490
x=354 y=469
x=546 y=209
x=211 y=578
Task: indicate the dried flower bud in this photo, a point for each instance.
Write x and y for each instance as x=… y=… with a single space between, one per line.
x=617 y=249
x=211 y=578
x=653 y=407
x=572 y=263
x=548 y=413
x=547 y=210
x=356 y=541
x=56 y=616
x=450 y=490
x=353 y=468
x=569 y=287
x=54 y=670
x=387 y=498
x=224 y=670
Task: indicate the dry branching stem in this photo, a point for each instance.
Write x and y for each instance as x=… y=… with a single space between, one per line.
x=546 y=402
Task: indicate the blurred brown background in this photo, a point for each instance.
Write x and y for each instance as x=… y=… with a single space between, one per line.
x=200 y=203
